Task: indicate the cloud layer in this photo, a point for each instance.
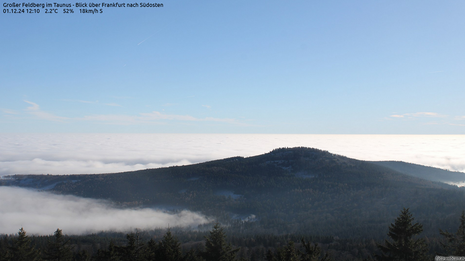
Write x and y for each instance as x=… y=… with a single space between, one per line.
x=104 y=153
x=42 y=213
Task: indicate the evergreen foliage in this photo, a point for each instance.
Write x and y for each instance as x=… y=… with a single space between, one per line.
x=216 y=248
x=169 y=249
x=273 y=199
x=134 y=249
x=313 y=252
x=82 y=256
x=290 y=253
x=455 y=243
x=403 y=246
x=58 y=249
x=4 y=252
x=192 y=255
x=22 y=249
x=108 y=255
x=282 y=192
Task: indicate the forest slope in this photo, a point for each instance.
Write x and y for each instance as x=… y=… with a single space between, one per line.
x=285 y=191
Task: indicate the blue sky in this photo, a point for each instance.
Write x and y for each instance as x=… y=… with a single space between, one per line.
x=343 y=67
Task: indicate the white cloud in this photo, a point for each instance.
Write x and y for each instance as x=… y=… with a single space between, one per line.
x=105 y=153
x=8 y=111
x=418 y=114
x=42 y=213
x=153 y=117
x=36 y=111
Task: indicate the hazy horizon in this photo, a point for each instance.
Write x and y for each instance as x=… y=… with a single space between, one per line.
x=106 y=153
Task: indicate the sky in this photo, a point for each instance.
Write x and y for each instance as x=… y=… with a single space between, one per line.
x=192 y=81
x=294 y=67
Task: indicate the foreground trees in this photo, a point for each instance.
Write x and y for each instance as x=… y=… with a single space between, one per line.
x=289 y=253
x=216 y=248
x=58 y=249
x=22 y=249
x=455 y=243
x=403 y=245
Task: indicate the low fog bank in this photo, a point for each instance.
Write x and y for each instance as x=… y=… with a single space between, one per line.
x=42 y=213
x=107 y=153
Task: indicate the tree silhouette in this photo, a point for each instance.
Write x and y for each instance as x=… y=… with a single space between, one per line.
x=455 y=243
x=216 y=248
x=22 y=249
x=169 y=249
x=313 y=252
x=403 y=246
x=134 y=249
x=58 y=249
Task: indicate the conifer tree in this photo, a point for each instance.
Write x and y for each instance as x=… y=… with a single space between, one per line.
x=288 y=253
x=4 y=252
x=455 y=244
x=192 y=255
x=313 y=252
x=403 y=246
x=22 y=249
x=216 y=248
x=58 y=249
x=108 y=255
x=134 y=250
x=152 y=250
x=169 y=249
x=269 y=255
x=82 y=256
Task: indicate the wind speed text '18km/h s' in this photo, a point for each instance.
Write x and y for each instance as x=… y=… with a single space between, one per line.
x=69 y=8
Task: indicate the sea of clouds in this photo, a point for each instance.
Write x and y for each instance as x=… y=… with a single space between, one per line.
x=106 y=153
x=42 y=212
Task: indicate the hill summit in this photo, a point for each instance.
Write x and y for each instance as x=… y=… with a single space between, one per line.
x=283 y=191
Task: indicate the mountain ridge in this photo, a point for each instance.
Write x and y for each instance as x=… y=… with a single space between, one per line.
x=286 y=190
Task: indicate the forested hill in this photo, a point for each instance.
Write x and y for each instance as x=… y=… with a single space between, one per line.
x=429 y=173
x=284 y=191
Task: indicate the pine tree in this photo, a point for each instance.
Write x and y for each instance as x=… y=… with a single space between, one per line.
x=22 y=249
x=455 y=244
x=152 y=250
x=58 y=249
x=169 y=249
x=216 y=248
x=4 y=252
x=82 y=256
x=192 y=255
x=403 y=246
x=108 y=255
x=134 y=249
x=313 y=252
x=288 y=253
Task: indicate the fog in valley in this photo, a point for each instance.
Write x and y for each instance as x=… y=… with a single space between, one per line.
x=42 y=213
